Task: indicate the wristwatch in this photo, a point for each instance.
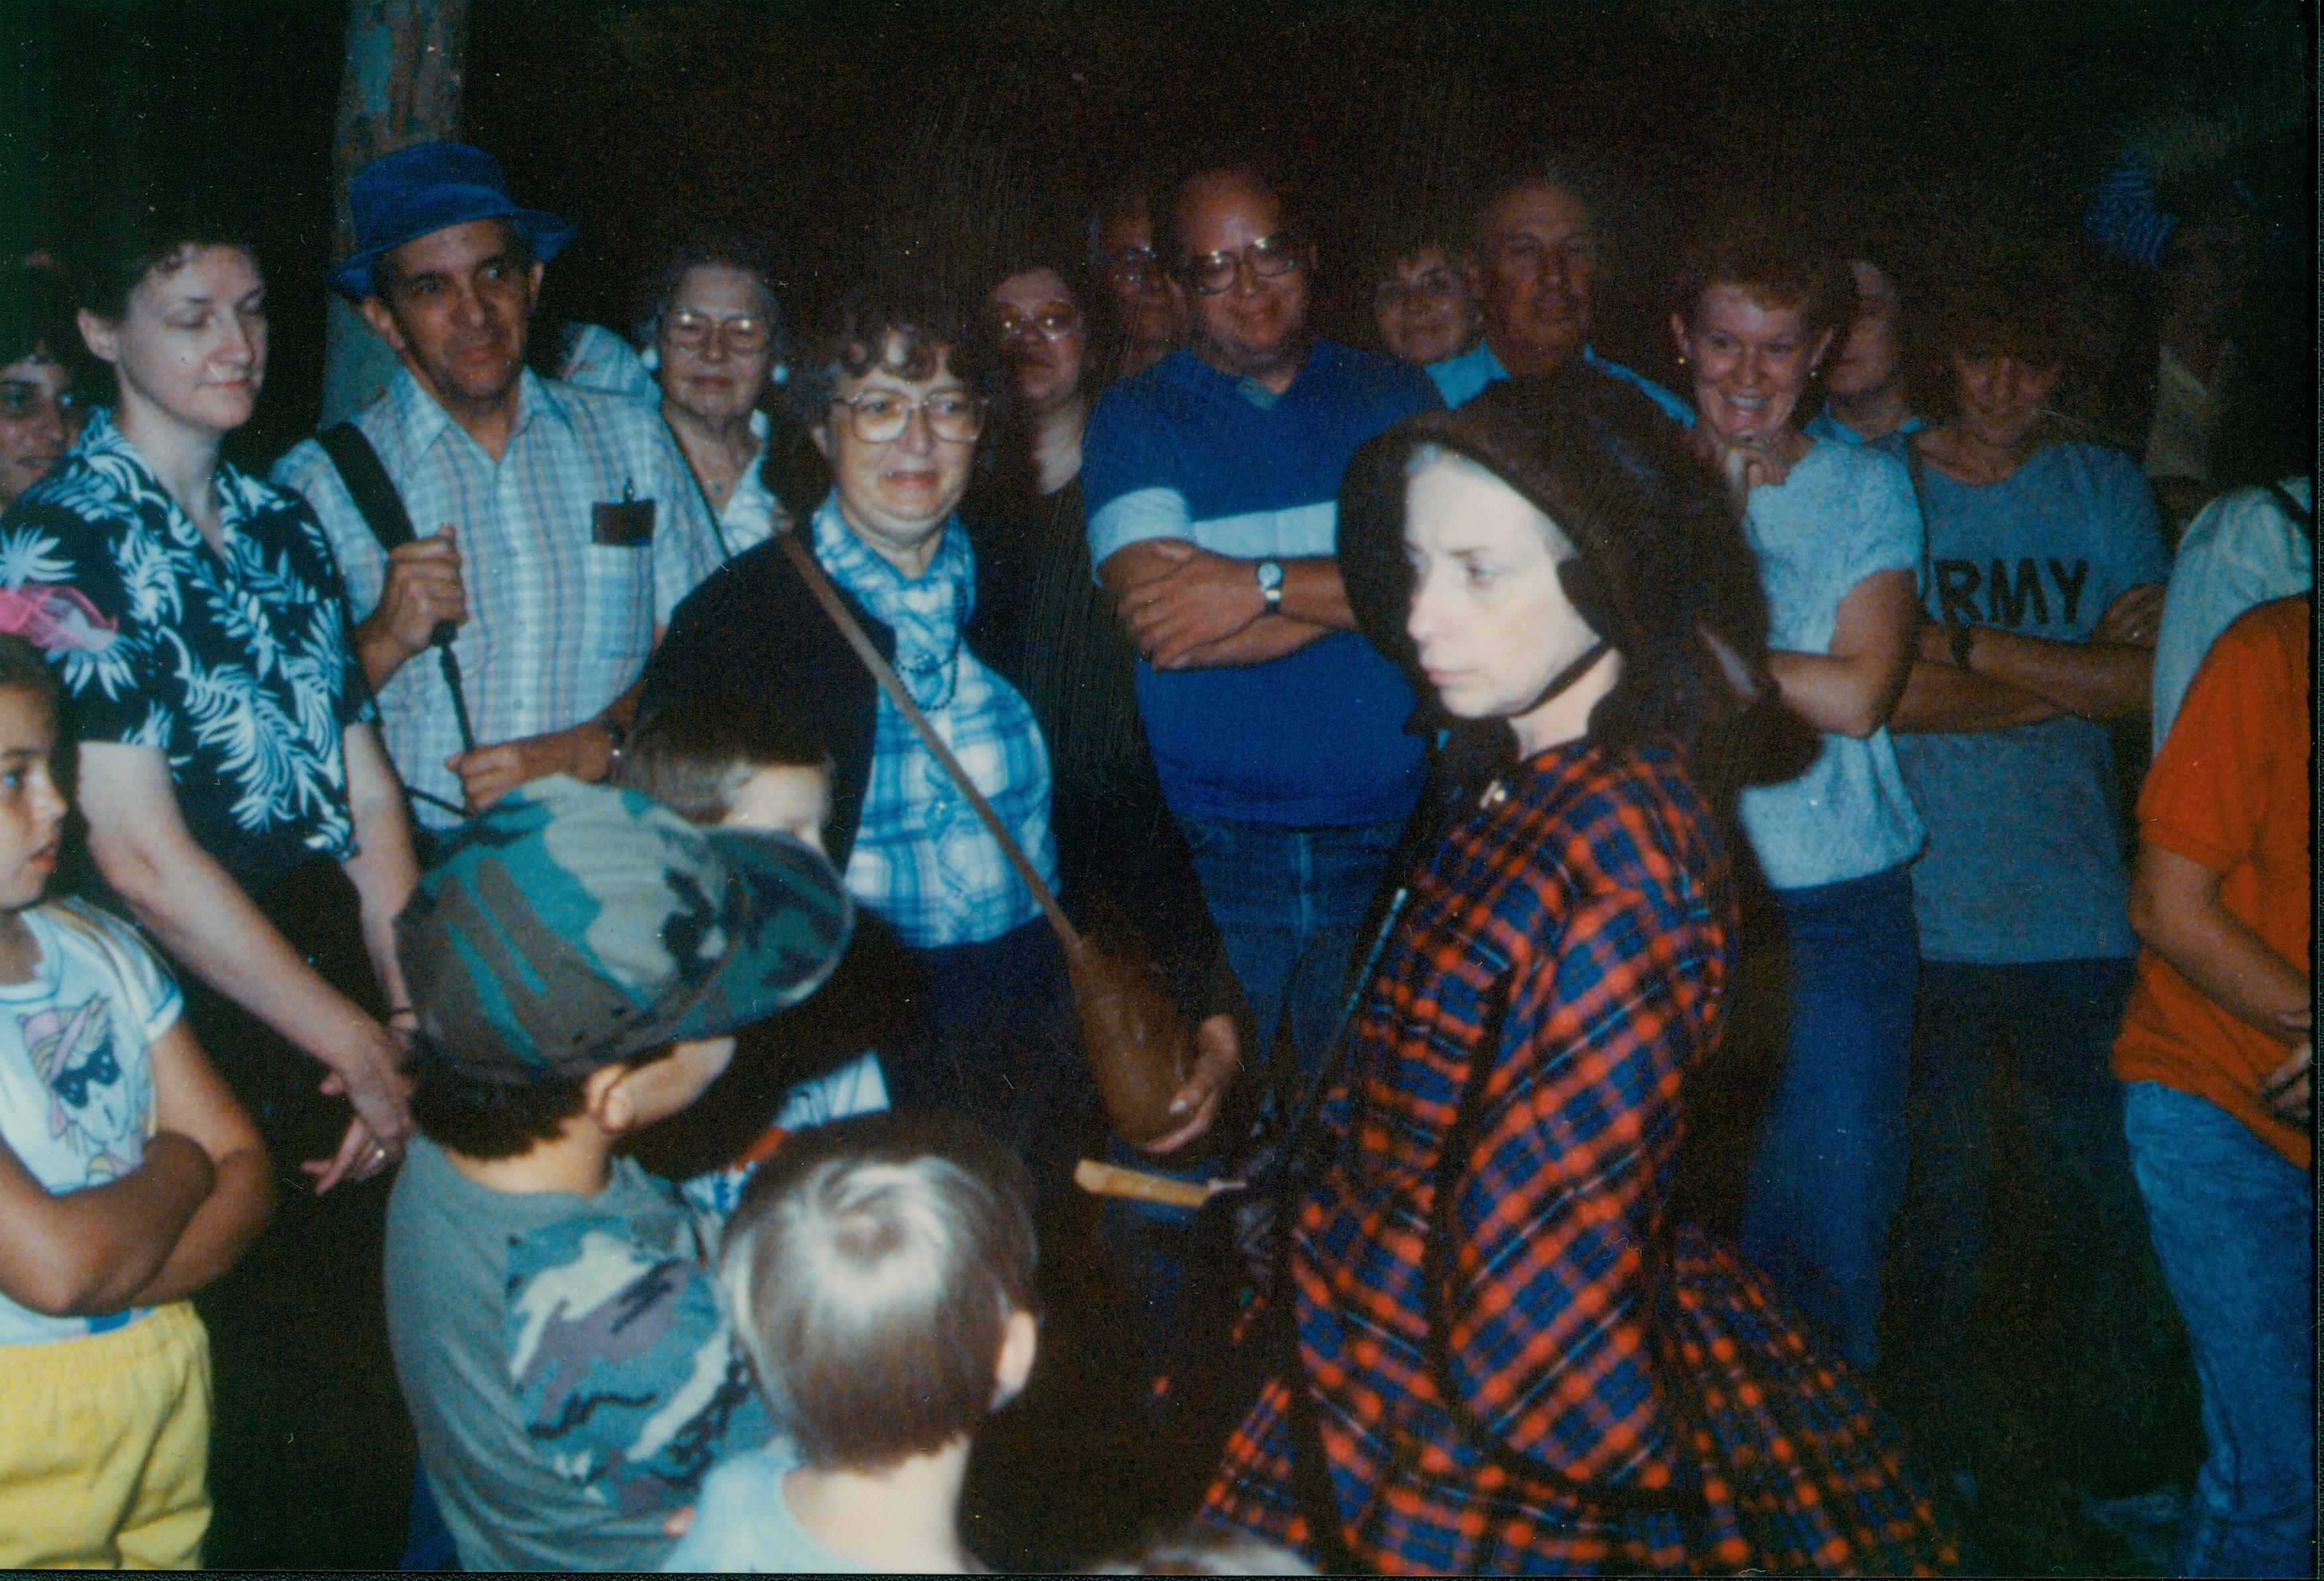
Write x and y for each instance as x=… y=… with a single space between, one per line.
x=1270 y=584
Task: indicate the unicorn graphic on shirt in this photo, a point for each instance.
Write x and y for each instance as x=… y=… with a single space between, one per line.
x=94 y=1106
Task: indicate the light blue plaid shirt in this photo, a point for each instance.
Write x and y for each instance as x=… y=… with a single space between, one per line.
x=923 y=859
x=559 y=624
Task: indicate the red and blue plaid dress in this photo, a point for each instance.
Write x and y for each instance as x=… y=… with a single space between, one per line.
x=1506 y=1355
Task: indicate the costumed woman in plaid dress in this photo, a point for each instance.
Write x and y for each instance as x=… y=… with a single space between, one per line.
x=1503 y=1352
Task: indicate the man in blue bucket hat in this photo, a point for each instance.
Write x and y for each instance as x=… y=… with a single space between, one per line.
x=579 y=957
x=536 y=534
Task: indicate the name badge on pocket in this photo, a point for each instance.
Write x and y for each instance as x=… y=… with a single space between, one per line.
x=626 y=525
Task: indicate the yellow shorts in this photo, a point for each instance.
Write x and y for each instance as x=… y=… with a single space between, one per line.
x=105 y=1446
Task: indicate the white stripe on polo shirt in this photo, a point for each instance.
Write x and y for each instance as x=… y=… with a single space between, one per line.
x=1288 y=533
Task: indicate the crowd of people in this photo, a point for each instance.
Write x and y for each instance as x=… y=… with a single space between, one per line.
x=621 y=809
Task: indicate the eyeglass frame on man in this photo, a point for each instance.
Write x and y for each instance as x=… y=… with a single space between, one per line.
x=736 y=331
x=975 y=404
x=1293 y=249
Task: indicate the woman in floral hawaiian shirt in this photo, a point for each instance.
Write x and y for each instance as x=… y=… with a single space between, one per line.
x=225 y=735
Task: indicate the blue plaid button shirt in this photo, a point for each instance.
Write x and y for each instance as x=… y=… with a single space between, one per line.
x=559 y=625
x=922 y=858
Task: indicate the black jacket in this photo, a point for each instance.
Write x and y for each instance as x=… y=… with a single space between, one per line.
x=753 y=634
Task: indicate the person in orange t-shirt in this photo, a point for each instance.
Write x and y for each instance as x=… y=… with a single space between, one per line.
x=2215 y=1049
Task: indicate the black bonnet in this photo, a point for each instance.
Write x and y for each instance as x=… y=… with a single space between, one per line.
x=1660 y=558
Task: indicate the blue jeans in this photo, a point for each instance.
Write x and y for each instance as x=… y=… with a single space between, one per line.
x=1830 y=1167
x=2231 y=1219
x=2060 y=1018
x=1289 y=903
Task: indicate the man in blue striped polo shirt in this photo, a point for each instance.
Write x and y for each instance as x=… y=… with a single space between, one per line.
x=1212 y=481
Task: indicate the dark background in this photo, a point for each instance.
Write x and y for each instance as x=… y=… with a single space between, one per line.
x=916 y=132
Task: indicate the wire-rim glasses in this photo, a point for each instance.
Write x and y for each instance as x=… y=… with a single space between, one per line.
x=1049 y=323
x=738 y=332
x=880 y=416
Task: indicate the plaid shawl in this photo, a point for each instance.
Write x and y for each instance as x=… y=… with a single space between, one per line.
x=1505 y=1357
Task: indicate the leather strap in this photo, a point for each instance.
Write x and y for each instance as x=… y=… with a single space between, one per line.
x=368 y=484
x=381 y=506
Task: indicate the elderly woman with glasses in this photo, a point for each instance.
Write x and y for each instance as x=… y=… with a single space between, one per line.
x=1062 y=641
x=714 y=335
x=957 y=976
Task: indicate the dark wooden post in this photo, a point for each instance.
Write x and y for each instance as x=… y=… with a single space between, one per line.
x=402 y=85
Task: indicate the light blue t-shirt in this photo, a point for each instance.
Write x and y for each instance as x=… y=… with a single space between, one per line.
x=1315 y=739
x=1842 y=514
x=2025 y=858
x=1460 y=379
x=743 y=1523
x=2242 y=549
x=77 y=1095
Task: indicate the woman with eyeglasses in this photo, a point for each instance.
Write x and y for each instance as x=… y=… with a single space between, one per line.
x=954 y=975
x=1424 y=297
x=38 y=418
x=1063 y=644
x=714 y=335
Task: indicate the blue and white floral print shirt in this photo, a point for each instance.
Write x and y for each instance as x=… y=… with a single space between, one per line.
x=237 y=664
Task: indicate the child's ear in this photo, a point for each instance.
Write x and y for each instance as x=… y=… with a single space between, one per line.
x=1019 y=1341
x=606 y=1098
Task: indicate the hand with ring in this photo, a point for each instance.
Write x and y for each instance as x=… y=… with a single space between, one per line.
x=360 y=1157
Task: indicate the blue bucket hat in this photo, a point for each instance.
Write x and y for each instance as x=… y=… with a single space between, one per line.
x=421 y=189
x=570 y=926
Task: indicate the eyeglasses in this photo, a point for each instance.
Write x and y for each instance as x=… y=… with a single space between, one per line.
x=1133 y=266
x=1270 y=258
x=739 y=332
x=879 y=416
x=1049 y=323
x=20 y=400
x=1433 y=284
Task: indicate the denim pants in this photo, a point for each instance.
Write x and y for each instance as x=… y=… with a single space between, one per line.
x=1830 y=1167
x=2060 y=1018
x=1289 y=903
x=2232 y=1220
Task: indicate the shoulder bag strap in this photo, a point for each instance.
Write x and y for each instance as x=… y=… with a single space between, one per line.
x=381 y=506
x=368 y=484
